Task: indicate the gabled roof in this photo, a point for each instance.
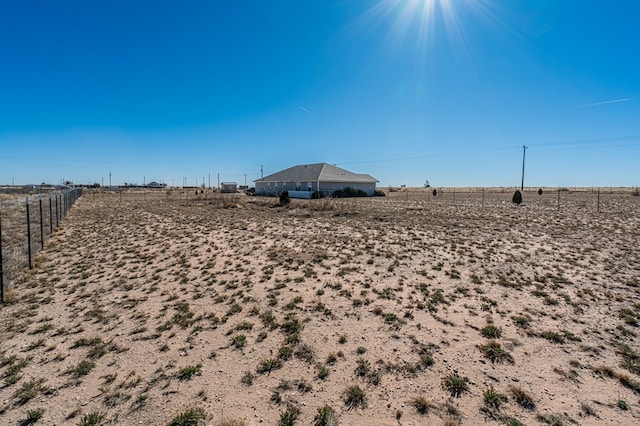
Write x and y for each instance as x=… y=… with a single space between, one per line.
x=322 y=172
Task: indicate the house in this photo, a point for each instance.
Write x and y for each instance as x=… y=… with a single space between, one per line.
x=229 y=187
x=303 y=180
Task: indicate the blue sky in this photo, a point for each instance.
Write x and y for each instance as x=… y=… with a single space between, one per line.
x=405 y=90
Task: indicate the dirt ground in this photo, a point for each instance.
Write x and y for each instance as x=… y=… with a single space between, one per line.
x=401 y=310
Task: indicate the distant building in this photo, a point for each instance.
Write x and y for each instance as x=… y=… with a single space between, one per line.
x=228 y=187
x=303 y=180
x=156 y=185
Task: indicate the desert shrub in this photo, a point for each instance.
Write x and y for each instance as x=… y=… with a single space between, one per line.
x=355 y=397
x=553 y=337
x=491 y=332
x=189 y=371
x=493 y=399
x=455 y=384
x=349 y=192
x=421 y=405
x=288 y=417
x=550 y=419
x=267 y=366
x=379 y=193
x=94 y=419
x=495 y=353
x=285 y=200
x=32 y=417
x=540 y=191
x=317 y=195
x=190 y=417
x=326 y=416
x=522 y=397
x=517 y=197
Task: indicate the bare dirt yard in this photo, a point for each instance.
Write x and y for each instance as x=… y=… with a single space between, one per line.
x=399 y=310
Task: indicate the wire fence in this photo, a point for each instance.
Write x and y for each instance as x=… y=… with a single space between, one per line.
x=550 y=199
x=606 y=200
x=27 y=221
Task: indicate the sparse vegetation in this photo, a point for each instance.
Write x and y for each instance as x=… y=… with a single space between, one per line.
x=190 y=417
x=455 y=384
x=522 y=397
x=186 y=373
x=289 y=416
x=493 y=399
x=295 y=303
x=495 y=353
x=421 y=405
x=92 y=419
x=325 y=416
x=354 y=397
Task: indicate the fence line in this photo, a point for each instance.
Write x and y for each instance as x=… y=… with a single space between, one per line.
x=16 y=241
x=594 y=199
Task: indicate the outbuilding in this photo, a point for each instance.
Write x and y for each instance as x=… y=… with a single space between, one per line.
x=229 y=187
x=303 y=180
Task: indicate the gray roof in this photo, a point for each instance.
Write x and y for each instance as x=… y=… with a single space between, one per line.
x=322 y=172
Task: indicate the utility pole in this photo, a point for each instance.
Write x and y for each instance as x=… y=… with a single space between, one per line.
x=109 y=179
x=218 y=180
x=245 y=179
x=524 y=150
x=261 y=171
x=209 y=180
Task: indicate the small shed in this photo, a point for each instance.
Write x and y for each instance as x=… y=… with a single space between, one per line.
x=228 y=187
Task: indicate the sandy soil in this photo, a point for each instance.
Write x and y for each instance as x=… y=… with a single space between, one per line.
x=440 y=313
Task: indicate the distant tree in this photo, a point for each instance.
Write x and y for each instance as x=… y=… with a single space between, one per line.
x=517 y=197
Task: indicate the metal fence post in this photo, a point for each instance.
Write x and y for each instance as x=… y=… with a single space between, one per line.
x=50 y=216
x=29 y=233
x=598 y=199
x=1 y=270
x=41 y=225
x=57 y=212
